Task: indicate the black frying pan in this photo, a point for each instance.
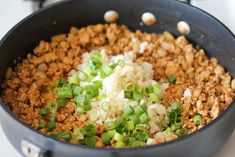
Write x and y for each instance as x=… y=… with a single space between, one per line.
x=206 y=31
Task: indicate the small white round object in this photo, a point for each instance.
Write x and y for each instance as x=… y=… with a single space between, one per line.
x=148 y=18
x=111 y=16
x=183 y=27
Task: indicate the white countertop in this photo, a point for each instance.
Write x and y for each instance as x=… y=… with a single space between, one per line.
x=12 y=11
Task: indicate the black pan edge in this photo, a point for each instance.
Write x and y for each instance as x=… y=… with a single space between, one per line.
x=118 y=149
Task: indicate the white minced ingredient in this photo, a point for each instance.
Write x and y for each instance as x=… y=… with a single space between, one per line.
x=140 y=73
x=187 y=93
x=143 y=46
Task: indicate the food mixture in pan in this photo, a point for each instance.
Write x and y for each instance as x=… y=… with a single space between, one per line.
x=107 y=86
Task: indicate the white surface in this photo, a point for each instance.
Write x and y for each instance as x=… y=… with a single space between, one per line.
x=12 y=11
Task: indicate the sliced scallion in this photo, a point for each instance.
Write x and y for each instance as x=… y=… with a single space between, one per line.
x=105 y=138
x=120 y=145
x=138 y=110
x=64 y=135
x=178 y=132
x=44 y=111
x=171 y=78
x=128 y=110
x=130 y=125
x=153 y=97
x=177 y=107
x=42 y=125
x=118 y=137
x=172 y=116
x=197 y=119
x=78 y=133
x=144 y=118
x=74 y=80
x=105 y=106
x=111 y=133
x=51 y=124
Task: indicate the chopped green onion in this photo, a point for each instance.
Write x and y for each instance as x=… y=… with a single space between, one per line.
x=60 y=102
x=156 y=88
x=129 y=87
x=105 y=138
x=91 y=91
x=87 y=106
x=79 y=110
x=171 y=78
x=105 y=106
x=78 y=133
x=120 y=125
x=87 y=70
x=140 y=127
x=138 y=110
x=89 y=129
x=169 y=131
x=197 y=119
x=61 y=82
x=101 y=97
x=130 y=125
x=44 y=111
x=172 y=116
x=51 y=124
x=143 y=105
x=128 y=94
x=42 y=125
x=141 y=135
x=138 y=89
x=77 y=90
x=105 y=71
x=109 y=125
x=80 y=99
x=64 y=135
x=137 y=96
x=129 y=140
x=121 y=62
x=118 y=137
x=119 y=145
x=128 y=110
x=178 y=123
x=185 y=131
x=111 y=133
x=144 y=118
x=97 y=84
x=149 y=89
x=89 y=141
x=52 y=106
x=153 y=97
x=113 y=66
x=134 y=118
x=82 y=76
x=177 y=107
x=96 y=58
x=74 y=80
x=137 y=144
x=64 y=93
x=178 y=132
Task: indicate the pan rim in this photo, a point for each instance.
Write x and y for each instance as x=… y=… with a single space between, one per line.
x=157 y=146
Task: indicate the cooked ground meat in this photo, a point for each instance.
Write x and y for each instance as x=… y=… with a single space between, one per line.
x=202 y=86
